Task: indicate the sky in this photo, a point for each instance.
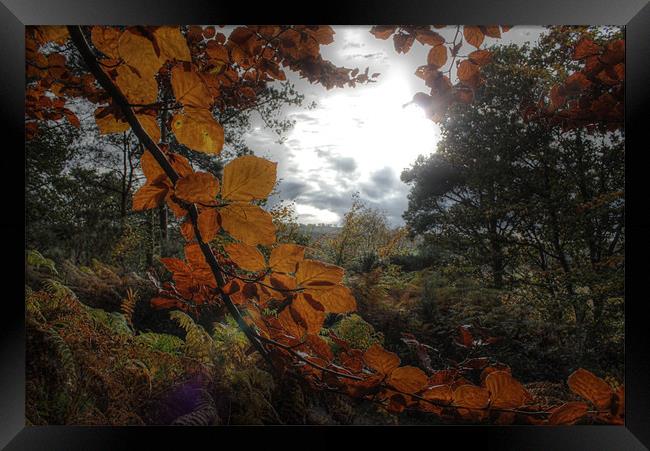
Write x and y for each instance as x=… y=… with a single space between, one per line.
x=357 y=139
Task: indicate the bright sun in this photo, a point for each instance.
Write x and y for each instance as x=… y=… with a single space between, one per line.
x=370 y=125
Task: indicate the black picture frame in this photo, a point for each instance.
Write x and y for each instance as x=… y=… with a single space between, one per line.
x=16 y=14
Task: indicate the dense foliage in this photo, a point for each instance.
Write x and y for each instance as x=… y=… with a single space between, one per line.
x=283 y=318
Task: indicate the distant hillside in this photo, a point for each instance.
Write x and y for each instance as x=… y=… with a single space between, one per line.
x=318 y=230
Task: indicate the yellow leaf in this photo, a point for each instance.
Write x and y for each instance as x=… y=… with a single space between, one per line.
x=138 y=52
x=285 y=257
x=172 y=43
x=199 y=187
x=138 y=90
x=381 y=360
x=318 y=275
x=106 y=40
x=197 y=129
x=247 y=178
x=248 y=223
x=189 y=88
x=248 y=258
x=208 y=224
x=335 y=299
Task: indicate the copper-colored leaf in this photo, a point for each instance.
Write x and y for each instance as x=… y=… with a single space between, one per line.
x=306 y=313
x=480 y=57
x=106 y=39
x=151 y=195
x=429 y=37
x=381 y=360
x=172 y=43
x=505 y=391
x=441 y=394
x=285 y=257
x=248 y=223
x=247 y=178
x=471 y=396
x=383 y=31
x=492 y=31
x=591 y=387
x=318 y=275
x=335 y=299
x=138 y=52
x=568 y=413
x=150 y=166
x=408 y=379
x=108 y=123
x=467 y=70
x=437 y=56
x=586 y=47
x=189 y=89
x=246 y=257
x=208 y=224
x=473 y=35
x=138 y=89
x=198 y=130
x=199 y=187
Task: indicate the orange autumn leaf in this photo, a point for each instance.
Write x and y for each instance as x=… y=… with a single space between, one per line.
x=248 y=178
x=187 y=229
x=586 y=47
x=247 y=257
x=289 y=324
x=108 y=123
x=383 y=31
x=505 y=391
x=150 y=166
x=198 y=130
x=473 y=35
x=480 y=57
x=335 y=299
x=248 y=223
x=492 y=31
x=590 y=387
x=139 y=53
x=151 y=195
x=136 y=88
x=381 y=360
x=285 y=257
x=471 y=396
x=408 y=379
x=318 y=275
x=106 y=39
x=172 y=44
x=198 y=187
x=467 y=70
x=568 y=413
x=437 y=56
x=208 y=224
x=441 y=394
x=189 y=89
x=307 y=314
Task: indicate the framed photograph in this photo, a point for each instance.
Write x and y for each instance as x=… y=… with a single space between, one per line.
x=325 y=220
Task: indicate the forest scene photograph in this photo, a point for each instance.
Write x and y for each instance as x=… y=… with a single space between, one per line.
x=324 y=225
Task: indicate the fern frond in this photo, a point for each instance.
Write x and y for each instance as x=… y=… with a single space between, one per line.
x=65 y=356
x=128 y=305
x=198 y=343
